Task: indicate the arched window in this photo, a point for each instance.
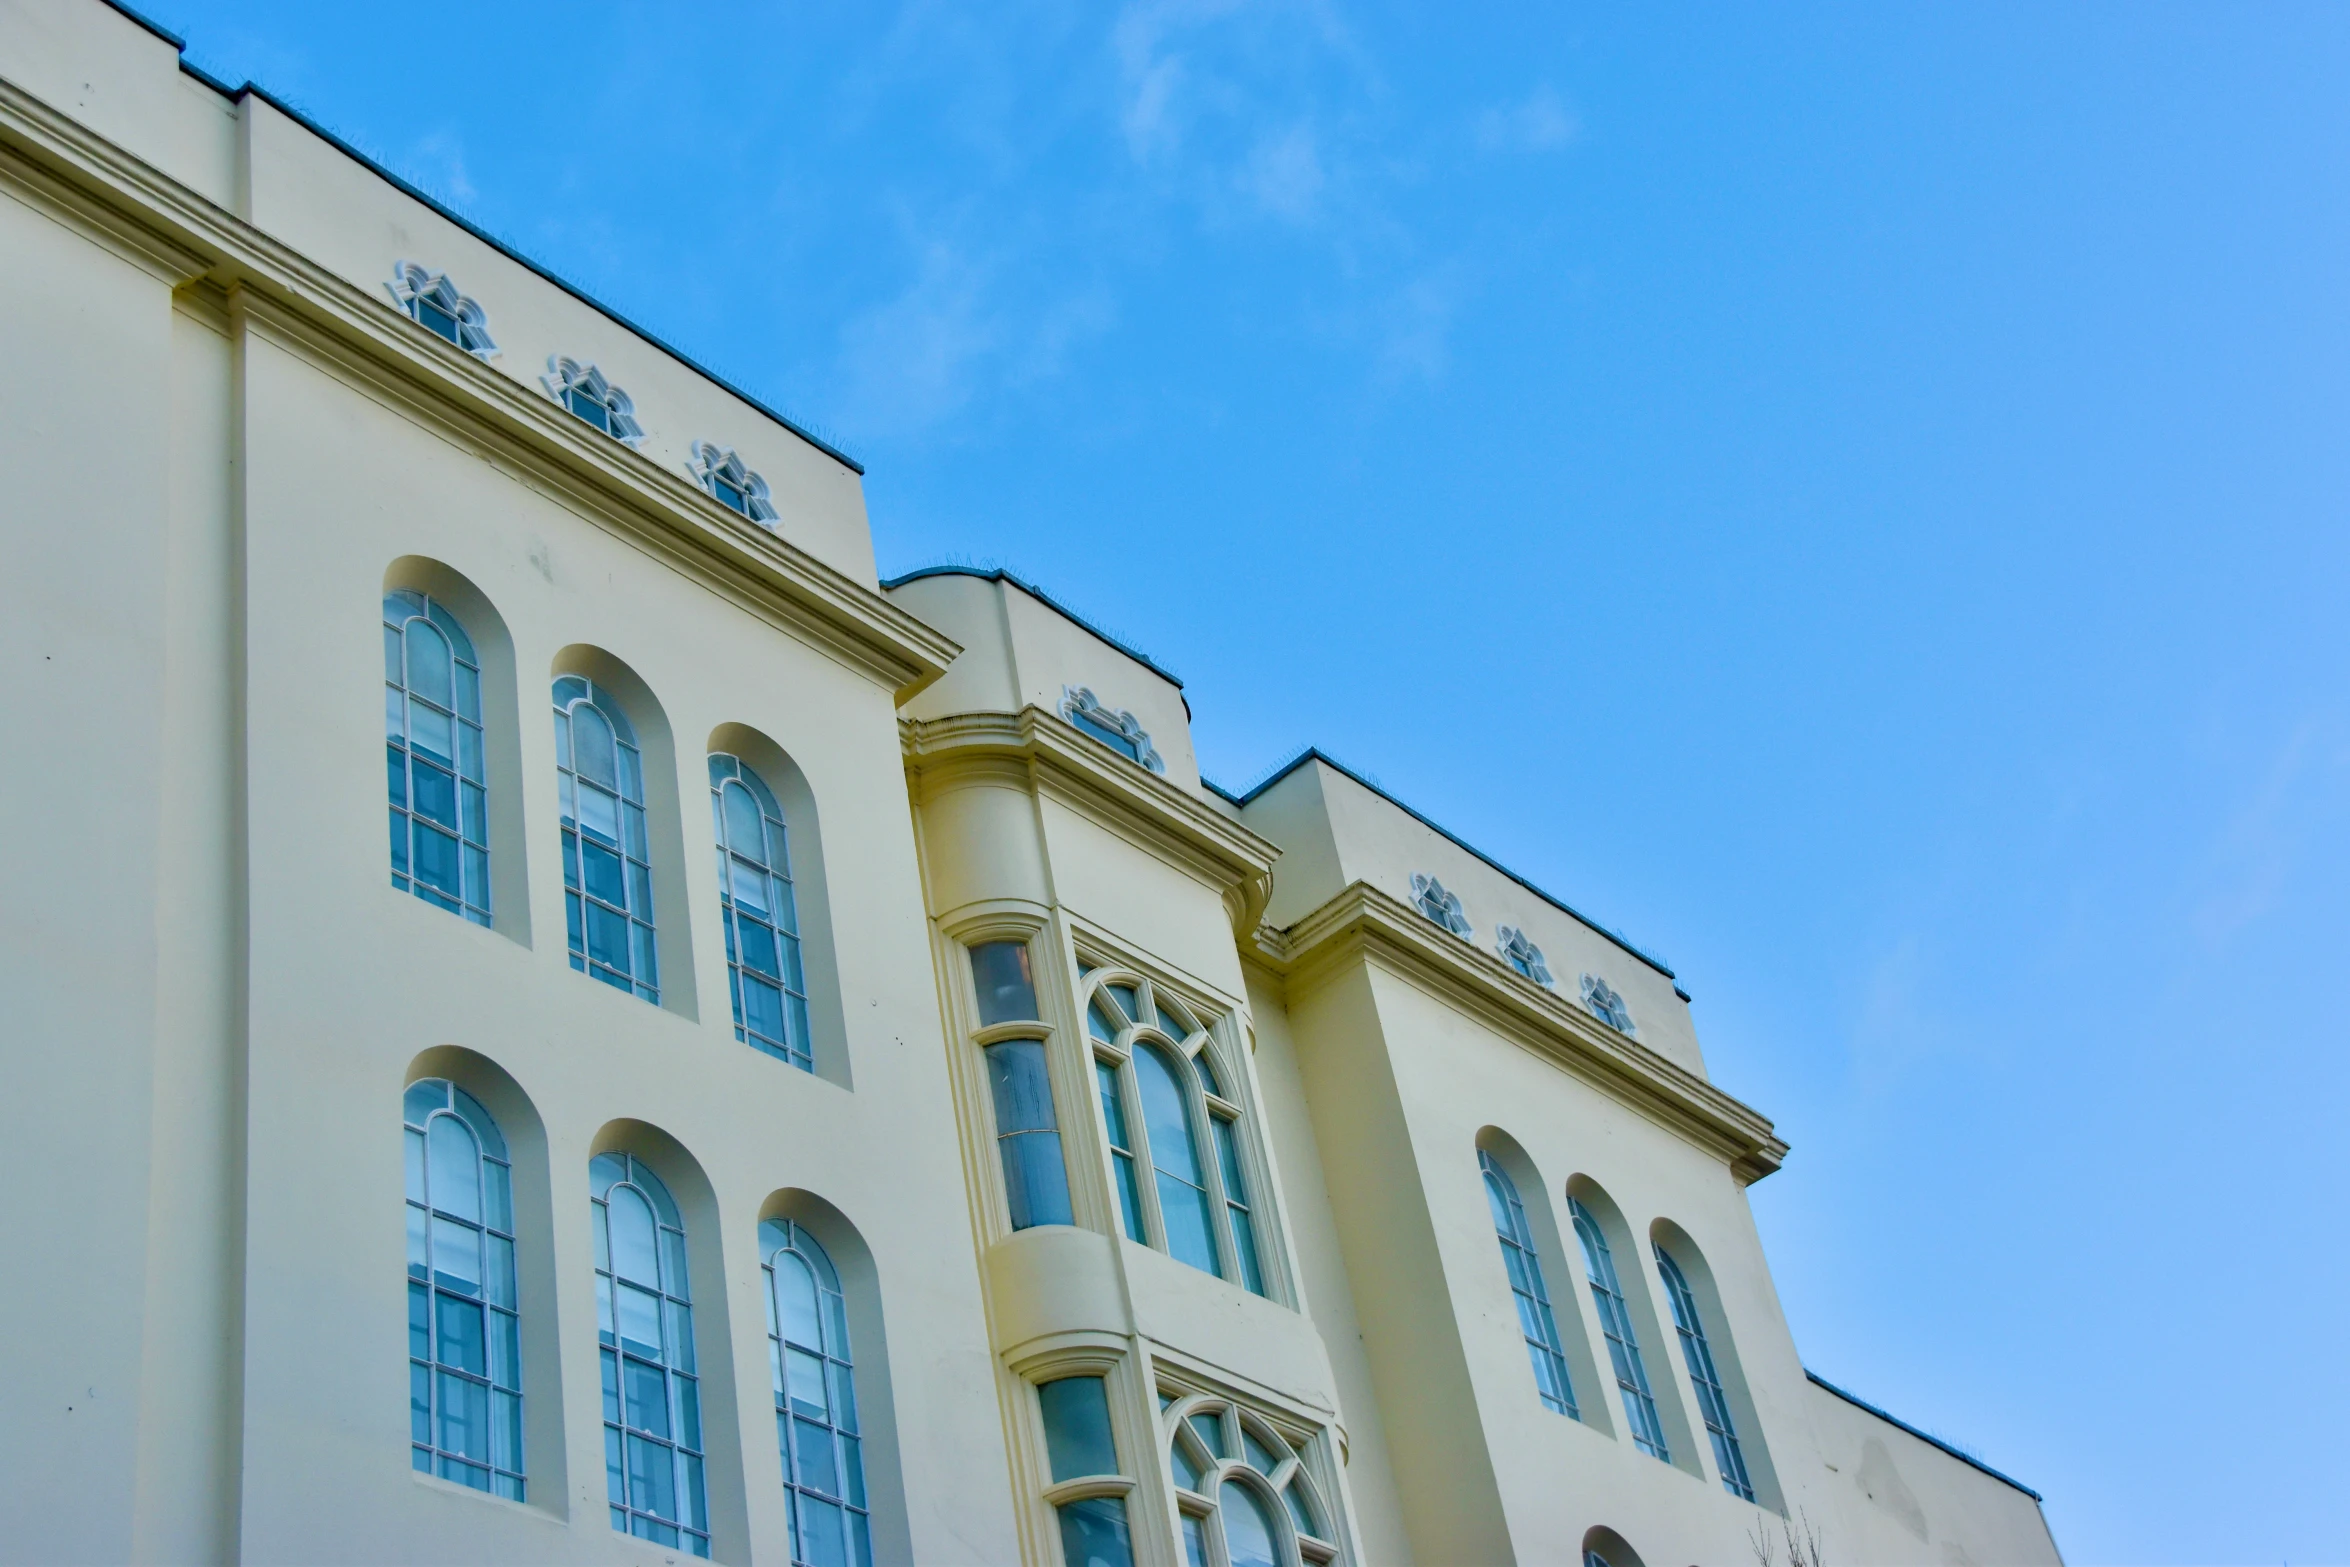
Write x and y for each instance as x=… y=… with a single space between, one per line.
x=1157 y=1085
x=1524 y=1265
x=718 y=470
x=584 y=390
x=815 y=1399
x=645 y=1330
x=1623 y=1341
x=435 y=304
x=1244 y=1485
x=762 y=920
x=1443 y=907
x=433 y=757
x=464 y=1339
x=607 y=860
x=1116 y=728
x=1712 y=1401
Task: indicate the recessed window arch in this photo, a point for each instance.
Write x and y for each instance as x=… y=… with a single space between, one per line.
x=814 y=1374
x=584 y=390
x=718 y=470
x=765 y=972
x=607 y=850
x=436 y=304
x=1713 y=1400
x=433 y=756
x=653 y=1452
x=1623 y=1338
x=1517 y=949
x=1431 y=898
x=1602 y=1002
x=1244 y=1493
x=1537 y=1323
x=464 y=1323
x=1179 y=1156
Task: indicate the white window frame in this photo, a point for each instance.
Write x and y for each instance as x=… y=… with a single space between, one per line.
x=412 y=286
x=713 y=463
x=567 y=377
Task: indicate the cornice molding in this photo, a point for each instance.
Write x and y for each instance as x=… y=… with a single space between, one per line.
x=1042 y=751
x=1365 y=925
x=140 y=212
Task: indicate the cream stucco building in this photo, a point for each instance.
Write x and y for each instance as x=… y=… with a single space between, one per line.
x=973 y=1138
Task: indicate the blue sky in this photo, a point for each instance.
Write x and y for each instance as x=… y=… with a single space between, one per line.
x=1852 y=496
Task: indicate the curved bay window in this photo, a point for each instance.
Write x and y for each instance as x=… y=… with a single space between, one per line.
x=815 y=1400
x=464 y=1340
x=762 y=919
x=645 y=1338
x=433 y=757
x=1020 y=1085
x=607 y=859
x=1164 y=1111
x=1243 y=1497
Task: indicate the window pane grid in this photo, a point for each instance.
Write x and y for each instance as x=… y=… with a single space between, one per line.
x=433 y=758
x=607 y=859
x=1623 y=1342
x=645 y=1342
x=1121 y=1150
x=1535 y=1319
x=464 y=1343
x=1712 y=1401
x=814 y=1382
x=765 y=978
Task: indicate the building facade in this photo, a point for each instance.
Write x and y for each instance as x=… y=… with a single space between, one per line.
x=999 y=1144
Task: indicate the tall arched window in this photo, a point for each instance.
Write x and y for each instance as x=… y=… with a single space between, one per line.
x=1712 y=1401
x=433 y=757
x=1158 y=1087
x=1623 y=1341
x=815 y=1399
x=645 y=1330
x=464 y=1340
x=762 y=920
x=1524 y=1264
x=607 y=859
x=1243 y=1484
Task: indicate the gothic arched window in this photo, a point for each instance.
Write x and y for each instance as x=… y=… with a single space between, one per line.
x=1712 y=1401
x=1520 y=953
x=762 y=920
x=815 y=1399
x=1243 y=1483
x=584 y=390
x=464 y=1336
x=1623 y=1340
x=1524 y=1265
x=718 y=470
x=645 y=1334
x=435 y=304
x=1443 y=907
x=1602 y=1002
x=607 y=858
x=433 y=757
x=1158 y=1087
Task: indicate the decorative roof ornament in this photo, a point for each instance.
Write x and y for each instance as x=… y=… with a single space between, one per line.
x=718 y=470
x=1121 y=731
x=1521 y=954
x=1602 y=1002
x=583 y=389
x=1441 y=906
x=435 y=304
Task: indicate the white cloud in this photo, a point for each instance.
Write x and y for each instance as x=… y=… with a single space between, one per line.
x=1542 y=123
x=439 y=160
x=912 y=359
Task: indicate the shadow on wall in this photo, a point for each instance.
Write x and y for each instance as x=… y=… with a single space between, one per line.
x=1603 y=1547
